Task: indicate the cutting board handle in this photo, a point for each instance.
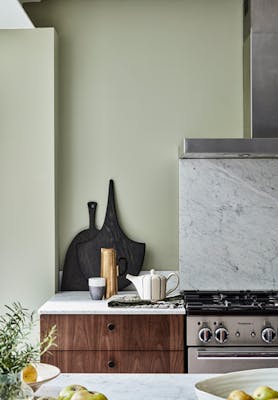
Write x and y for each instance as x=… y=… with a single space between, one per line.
x=111 y=215
x=92 y=207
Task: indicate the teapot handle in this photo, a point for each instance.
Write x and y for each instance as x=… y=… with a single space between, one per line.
x=178 y=281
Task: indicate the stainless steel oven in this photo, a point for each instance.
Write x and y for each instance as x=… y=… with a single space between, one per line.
x=232 y=331
x=218 y=360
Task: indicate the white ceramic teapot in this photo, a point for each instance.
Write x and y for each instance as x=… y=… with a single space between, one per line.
x=152 y=286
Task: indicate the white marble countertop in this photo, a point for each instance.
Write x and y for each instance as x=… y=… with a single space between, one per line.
x=81 y=303
x=130 y=386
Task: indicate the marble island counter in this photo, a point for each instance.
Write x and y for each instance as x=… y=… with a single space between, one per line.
x=81 y=303
x=130 y=386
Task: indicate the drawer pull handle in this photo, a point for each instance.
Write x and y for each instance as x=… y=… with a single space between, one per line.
x=111 y=327
x=111 y=364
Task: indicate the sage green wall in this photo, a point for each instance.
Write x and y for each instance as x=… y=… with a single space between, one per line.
x=135 y=77
x=27 y=204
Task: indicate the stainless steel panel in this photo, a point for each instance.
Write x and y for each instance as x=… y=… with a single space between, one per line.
x=238 y=353
x=248 y=327
x=260 y=58
x=197 y=363
x=229 y=148
x=264 y=15
x=265 y=85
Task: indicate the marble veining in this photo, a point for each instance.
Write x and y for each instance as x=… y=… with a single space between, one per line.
x=228 y=210
x=130 y=386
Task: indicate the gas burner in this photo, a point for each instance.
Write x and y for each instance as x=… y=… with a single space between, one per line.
x=231 y=302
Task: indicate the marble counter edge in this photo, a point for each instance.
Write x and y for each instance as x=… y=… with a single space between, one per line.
x=118 y=311
x=76 y=303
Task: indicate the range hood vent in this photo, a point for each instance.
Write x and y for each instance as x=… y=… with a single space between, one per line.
x=260 y=68
x=229 y=148
x=260 y=87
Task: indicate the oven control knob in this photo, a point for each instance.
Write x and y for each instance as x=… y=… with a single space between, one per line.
x=268 y=334
x=205 y=335
x=221 y=335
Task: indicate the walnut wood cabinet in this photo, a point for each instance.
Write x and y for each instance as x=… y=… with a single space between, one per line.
x=116 y=343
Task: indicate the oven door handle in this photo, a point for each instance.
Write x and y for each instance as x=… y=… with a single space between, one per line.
x=237 y=355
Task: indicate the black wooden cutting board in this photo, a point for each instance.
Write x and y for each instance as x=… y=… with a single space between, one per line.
x=73 y=279
x=129 y=253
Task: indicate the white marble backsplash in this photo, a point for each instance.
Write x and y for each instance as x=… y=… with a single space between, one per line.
x=228 y=234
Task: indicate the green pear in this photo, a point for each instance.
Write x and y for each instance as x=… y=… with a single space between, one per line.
x=83 y=395
x=87 y=395
x=99 y=396
x=239 y=395
x=68 y=392
x=264 y=393
x=47 y=398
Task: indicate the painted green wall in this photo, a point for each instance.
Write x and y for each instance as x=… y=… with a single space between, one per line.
x=136 y=76
x=27 y=201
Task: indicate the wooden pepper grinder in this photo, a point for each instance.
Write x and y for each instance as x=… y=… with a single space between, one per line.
x=109 y=271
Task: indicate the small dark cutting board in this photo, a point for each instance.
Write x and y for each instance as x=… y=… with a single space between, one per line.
x=129 y=253
x=73 y=279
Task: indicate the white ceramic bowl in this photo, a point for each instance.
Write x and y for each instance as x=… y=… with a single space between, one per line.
x=221 y=386
x=46 y=372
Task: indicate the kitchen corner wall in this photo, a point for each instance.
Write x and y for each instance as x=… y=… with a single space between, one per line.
x=27 y=141
x=136 y=76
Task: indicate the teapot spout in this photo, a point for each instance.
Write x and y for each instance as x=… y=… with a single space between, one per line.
x=137 y=282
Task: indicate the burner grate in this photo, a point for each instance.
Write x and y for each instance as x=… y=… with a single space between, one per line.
x=239 y=302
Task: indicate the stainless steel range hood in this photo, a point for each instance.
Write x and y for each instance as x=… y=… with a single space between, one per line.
x=260 y=87
x=229 y=148
x=260 y=68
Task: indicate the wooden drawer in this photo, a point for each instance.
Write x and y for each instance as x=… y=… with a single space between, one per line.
x=117 y=361
x=116 y=332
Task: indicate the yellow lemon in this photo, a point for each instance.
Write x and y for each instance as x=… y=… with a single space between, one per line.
x=29 y=374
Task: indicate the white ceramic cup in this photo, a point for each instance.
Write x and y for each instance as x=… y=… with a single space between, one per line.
x=97 y=288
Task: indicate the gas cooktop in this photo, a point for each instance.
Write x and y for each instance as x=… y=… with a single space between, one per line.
x=231 y=302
